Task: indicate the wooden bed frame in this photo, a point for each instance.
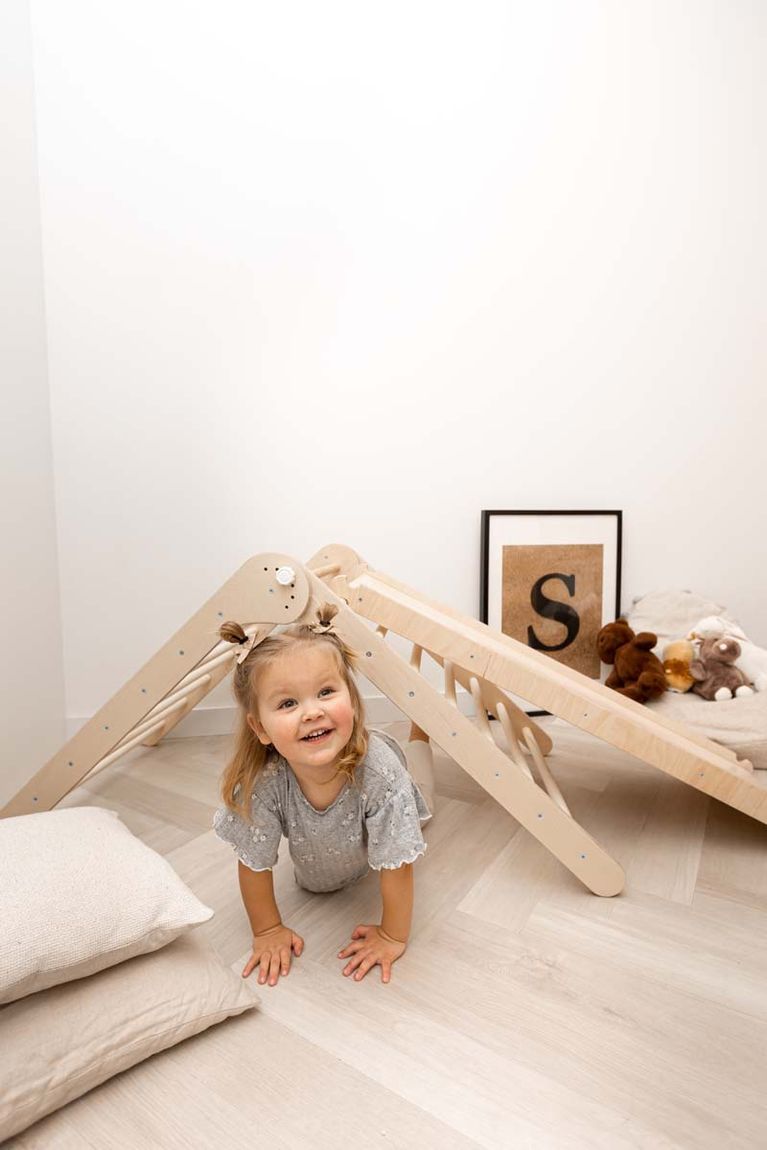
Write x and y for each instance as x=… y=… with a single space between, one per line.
x=273 y=589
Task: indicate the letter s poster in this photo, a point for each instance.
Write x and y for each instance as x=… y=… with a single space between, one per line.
x=551 y=600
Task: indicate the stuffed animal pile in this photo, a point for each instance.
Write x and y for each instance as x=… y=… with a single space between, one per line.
x=715 y=661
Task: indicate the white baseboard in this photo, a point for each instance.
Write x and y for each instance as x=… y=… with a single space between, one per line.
x=222 y=720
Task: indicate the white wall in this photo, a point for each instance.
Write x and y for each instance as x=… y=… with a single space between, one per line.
x=31 y=670
x=336 y=271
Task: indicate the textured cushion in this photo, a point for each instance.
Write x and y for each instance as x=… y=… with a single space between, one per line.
x=60 y=1043
x=79 y=893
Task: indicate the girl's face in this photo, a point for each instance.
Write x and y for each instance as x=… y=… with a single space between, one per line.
x=304 y=708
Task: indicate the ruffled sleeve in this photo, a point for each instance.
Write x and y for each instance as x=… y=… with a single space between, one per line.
x=394 y=809
x=256 y=843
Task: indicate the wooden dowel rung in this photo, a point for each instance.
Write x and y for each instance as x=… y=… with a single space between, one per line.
x=447 y=667
x=415 y=656
x=382 y=631
x=120 y=751
x=220 y=654
x=178 y=694
x=514 y=749
x=548 y=780
x=149 y=723
x=328 y=569
x=204 y=668
x=479 y=705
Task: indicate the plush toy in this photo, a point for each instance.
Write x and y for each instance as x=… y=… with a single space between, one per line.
x=715 y=676
x=752 y=660
x=637 y=673
x=677 y=657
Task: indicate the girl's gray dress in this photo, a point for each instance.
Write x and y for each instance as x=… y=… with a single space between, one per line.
x=374 y=822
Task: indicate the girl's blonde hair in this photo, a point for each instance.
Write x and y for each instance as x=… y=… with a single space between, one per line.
x=250 y=755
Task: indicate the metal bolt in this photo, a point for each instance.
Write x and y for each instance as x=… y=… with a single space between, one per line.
x=540 y=816
x=411 y=694
x=368 y=653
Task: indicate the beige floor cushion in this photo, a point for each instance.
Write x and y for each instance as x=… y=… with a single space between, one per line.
x=79 y=893
x=61 y=1042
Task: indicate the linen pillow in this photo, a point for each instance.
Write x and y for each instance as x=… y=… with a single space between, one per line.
x=60 y=1043
x=670 y=614
x=79 y=893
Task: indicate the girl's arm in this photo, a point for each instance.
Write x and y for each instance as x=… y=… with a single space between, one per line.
x=382 y=945
x=273 y=943
x=257 y=890
x=397 y=898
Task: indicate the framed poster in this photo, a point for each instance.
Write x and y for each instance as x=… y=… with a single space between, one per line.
x=551 y=579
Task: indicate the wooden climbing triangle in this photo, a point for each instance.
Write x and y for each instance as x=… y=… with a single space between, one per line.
x=273 y=589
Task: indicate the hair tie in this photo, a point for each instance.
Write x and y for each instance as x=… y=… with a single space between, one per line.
x=246 y=646
x=324 y=621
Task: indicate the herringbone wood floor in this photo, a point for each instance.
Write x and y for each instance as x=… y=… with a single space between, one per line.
x=526 y=1011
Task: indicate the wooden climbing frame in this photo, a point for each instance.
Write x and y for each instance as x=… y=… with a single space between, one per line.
x=273 y=589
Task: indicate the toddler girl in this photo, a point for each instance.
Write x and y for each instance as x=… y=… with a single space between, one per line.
x=305 y=767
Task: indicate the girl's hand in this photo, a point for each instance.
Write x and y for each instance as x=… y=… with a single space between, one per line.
x=370 y=947
x=272 y=950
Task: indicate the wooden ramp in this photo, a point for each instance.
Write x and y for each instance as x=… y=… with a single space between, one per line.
x=273 y=589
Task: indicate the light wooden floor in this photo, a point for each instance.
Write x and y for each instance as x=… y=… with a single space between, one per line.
x=526 y=1012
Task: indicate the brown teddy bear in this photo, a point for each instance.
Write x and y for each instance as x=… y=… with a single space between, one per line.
x=715 y=676
x=637 y=673
x=677 y=657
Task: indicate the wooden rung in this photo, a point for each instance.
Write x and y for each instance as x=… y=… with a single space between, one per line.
x=221 y=653
x=479 y=705
x=514 y=749
x=382 y=631
x=122 y=750
x=415 y=657
x=447 y=666
x=177 y=696
x=328 y=569
x=143 y=729
x=547 y=778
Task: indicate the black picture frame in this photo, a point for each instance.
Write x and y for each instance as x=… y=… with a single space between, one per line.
x=502 y=530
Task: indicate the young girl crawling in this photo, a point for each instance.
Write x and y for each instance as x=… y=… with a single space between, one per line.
x=305 y=767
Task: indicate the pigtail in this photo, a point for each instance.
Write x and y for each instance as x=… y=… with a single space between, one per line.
x=250 y=756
